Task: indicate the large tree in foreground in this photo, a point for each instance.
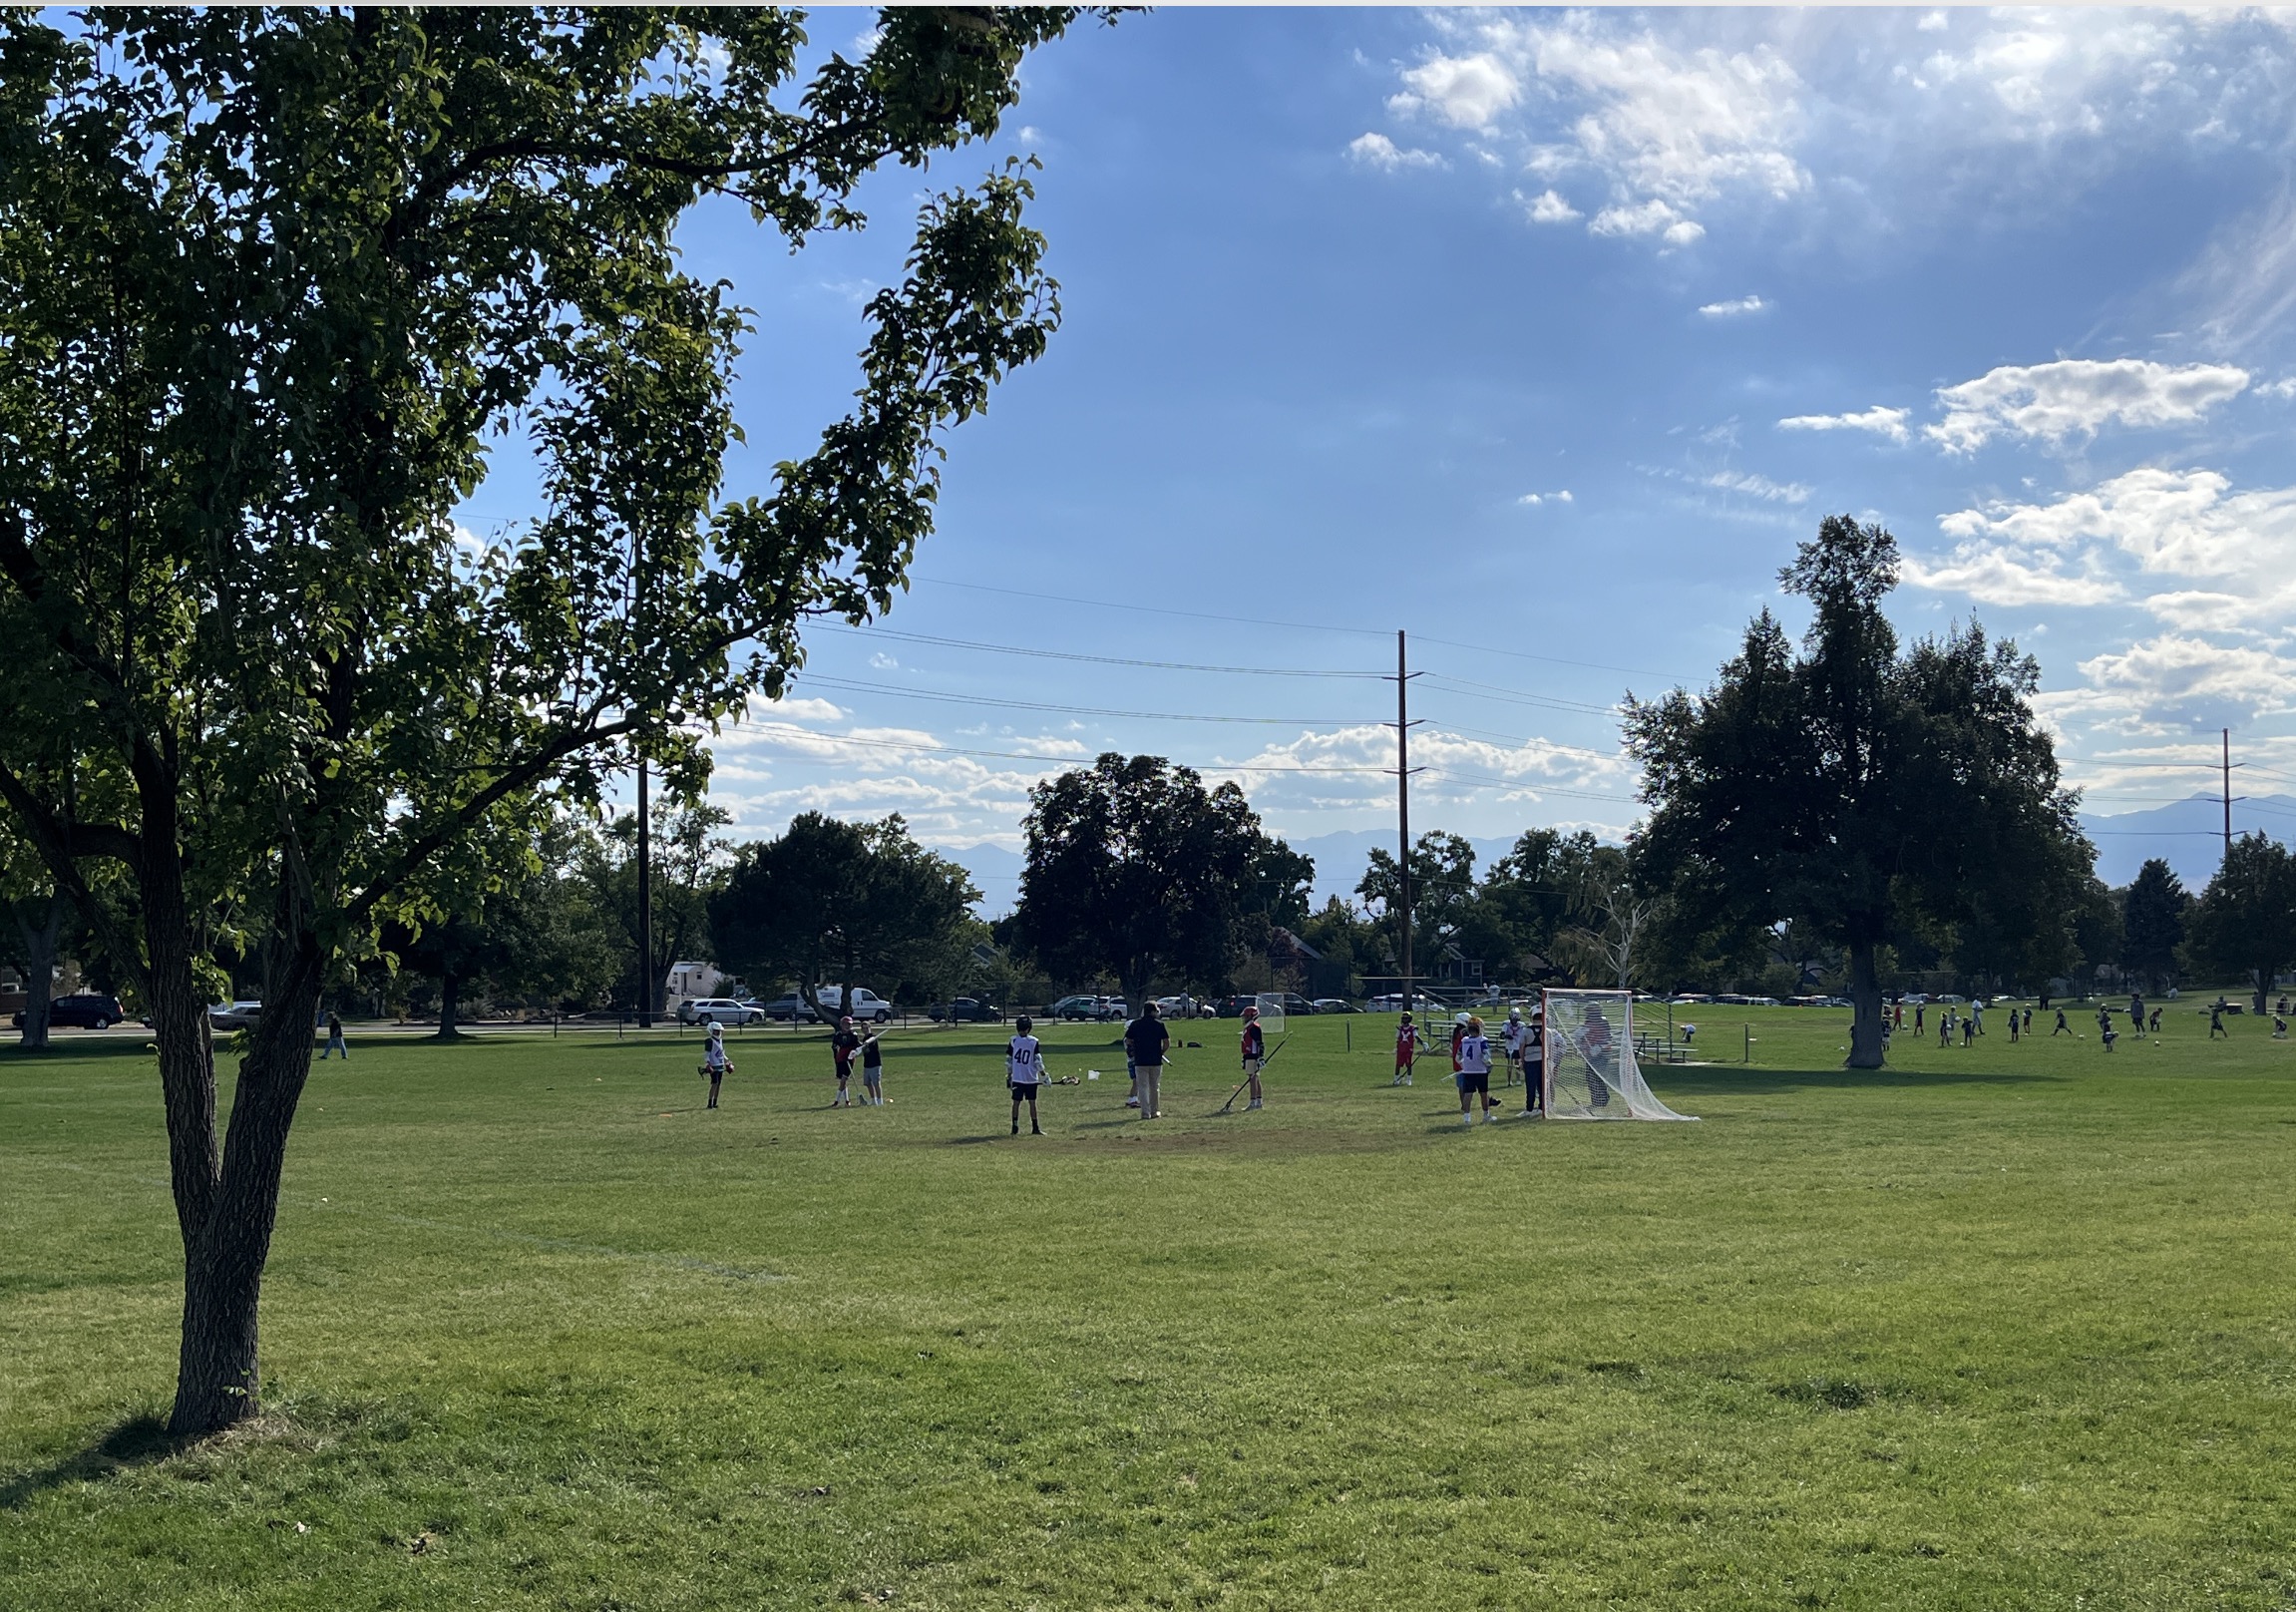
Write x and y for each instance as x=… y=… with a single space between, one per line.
x=1134 y=869
x=270 y=283
x=1853 y=785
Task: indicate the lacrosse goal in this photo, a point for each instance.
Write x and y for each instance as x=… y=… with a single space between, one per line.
x=1592 y=1072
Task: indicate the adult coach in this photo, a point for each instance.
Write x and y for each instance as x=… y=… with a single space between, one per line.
x=1146 y=1040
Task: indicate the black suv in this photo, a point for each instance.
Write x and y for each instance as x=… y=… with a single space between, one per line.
x=87 y=1012
x=967 y=1010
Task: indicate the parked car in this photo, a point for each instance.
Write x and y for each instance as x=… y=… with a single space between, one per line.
x=791 y=1005
x=87 y=1010
x=717 y=1011
x=235 y=1015
x=866 y=1005
x=967 y=1010
x=1335 y=1004
x=1087 y=1006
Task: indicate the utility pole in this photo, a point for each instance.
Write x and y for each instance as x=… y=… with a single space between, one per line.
x=2229 y=797
x=1404 y=770
x=644 y=905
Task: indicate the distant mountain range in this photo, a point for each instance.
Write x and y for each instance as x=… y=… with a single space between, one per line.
x=2188 y=836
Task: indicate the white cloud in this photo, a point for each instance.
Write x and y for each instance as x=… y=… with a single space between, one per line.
x=1996 y=575
x=1932 y=22
x=2284 y=387
x=2075 y=397
x=1466 y=92
x=1549 y=208
x=1652 y=218
x=1733 y=308
x=2186 y=681
x=1377 y=151
x=1563 y=497
x=1737 y=481
x=883 y=661
x=2175 y=522
x=1881 y=421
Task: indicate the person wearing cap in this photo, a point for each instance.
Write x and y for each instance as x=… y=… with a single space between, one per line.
x=713 y=1061
x=1406 y=1051
x=1255 y=1053
x=842 y=1047
x=1475 y=1054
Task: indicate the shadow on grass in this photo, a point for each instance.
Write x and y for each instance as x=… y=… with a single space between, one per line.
x=1722 y=1079
x=138 y=1441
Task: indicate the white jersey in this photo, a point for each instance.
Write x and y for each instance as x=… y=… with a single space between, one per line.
x=1024 y=1062
x=1516 y=1033
x=1475 y=1054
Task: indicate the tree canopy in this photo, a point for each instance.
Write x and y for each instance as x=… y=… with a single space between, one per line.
x=1135 y=870
x=848 y=903
x=2152 y=923
x=2244 y=923
x=1854 y=786
x=271 y=284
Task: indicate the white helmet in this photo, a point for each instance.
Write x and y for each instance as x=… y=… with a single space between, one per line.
x=1515 y=1012
x=716 y=1031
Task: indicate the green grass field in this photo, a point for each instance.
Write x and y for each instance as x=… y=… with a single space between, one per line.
x=2002 y=1328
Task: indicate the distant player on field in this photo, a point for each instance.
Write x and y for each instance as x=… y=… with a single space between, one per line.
x=1535 y=1064
x=1147 y=1039
x=1023 y=1073
x=713 y=1061
x=872 y=1070
x=1406 y=1051
x=1512 y=1038
x=1475 y=1054
x=1255 y=1048
x=842 y=1047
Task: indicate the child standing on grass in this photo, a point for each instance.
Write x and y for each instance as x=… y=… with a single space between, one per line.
x=2216 y=1023
x=841 y=1046
x=2062 y=1029
x=1023 y=1073
x=1535 y=1064
x=1512 y=1038
x=872 y=1070
x=1475 y=1054
x=2154 y=1021
x=1406 y=1051
x=1255 y=1046
x=2013 y=1027
x=713 y=1061
x=335 y=1041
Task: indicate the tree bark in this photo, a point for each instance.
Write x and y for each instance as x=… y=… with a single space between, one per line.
x=1865 y=1008
x=39 y=970
x=450 y=1003
x=217 y=1382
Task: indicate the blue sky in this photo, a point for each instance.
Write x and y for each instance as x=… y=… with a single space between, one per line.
x=1545 y=336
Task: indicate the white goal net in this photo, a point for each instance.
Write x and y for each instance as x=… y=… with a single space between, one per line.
x=1271 y=1014
x=1592 y=1070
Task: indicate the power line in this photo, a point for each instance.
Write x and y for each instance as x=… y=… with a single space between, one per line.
x=791 y=730
x=1102 y=660
x=811 y=681
x=1299 y=626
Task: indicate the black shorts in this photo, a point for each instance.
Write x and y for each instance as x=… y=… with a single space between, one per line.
x=1023 y=1088
x=1471 y=1081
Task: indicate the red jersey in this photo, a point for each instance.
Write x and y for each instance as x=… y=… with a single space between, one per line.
x=1407 y=1044
x=1458 y=1034
x=1254 y=1040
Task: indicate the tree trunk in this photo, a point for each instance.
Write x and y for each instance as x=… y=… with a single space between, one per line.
x=217 y=1382
x=2263 y=989
x=39 y=970
x=1865 y=1008
x=449 y=1003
